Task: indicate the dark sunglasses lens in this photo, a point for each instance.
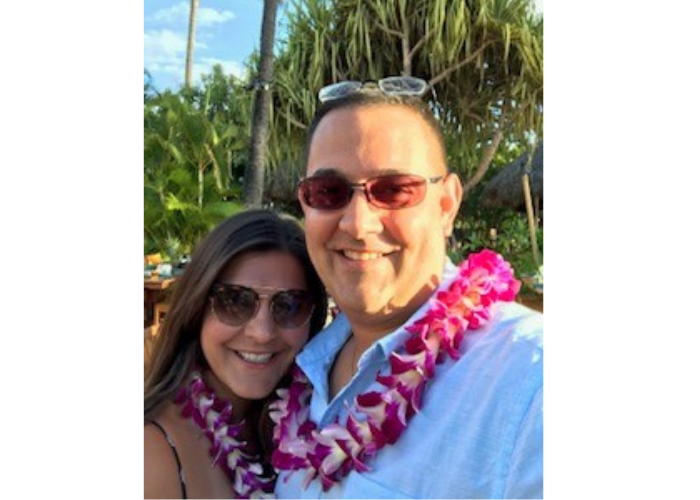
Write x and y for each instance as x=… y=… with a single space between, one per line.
x=396 y=191
x=234 y=305
x=325 y=193
x=292 y=309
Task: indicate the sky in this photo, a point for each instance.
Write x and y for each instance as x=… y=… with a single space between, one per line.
x=227 y=32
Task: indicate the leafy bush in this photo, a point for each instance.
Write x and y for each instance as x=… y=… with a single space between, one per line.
x=474 y=231
x=194 y=140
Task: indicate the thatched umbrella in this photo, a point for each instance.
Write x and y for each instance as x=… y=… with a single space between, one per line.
x=513 y=187
x=506 y=187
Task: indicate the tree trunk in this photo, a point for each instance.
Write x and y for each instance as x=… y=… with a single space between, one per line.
x=485 y=162
x=254 y=178
x=531 y=219
x=200 y=185
x=194 y=7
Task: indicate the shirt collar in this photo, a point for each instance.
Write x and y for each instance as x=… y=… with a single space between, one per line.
x=328 y=342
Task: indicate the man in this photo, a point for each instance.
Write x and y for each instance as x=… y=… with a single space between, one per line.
x=464 y=422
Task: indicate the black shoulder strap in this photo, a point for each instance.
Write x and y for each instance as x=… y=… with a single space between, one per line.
x=180 y=473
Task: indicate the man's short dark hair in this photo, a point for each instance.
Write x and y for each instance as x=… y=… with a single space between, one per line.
x=372 y=97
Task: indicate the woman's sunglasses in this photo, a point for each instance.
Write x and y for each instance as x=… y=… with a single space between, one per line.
x=387 y=191
x=236 y=304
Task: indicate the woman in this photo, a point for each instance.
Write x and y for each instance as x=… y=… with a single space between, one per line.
x=246 y=304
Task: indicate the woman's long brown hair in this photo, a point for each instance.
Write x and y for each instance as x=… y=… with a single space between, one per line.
x=177 y=347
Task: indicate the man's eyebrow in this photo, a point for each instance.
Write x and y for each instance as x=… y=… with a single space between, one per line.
x=327 y=172
x=333 y=172
x=391 y=171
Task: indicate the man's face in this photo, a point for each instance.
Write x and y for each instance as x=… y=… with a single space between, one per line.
x=379 y=264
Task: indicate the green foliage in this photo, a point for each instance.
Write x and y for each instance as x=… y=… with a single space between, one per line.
x=194 y=140
x=474 y=231
x=474 y=223
x=484 y=59
x=512 y=239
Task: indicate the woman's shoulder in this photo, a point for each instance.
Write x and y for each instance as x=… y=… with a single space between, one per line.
x=162 y=467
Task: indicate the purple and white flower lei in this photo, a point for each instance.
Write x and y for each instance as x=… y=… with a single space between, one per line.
x=213 y=415
x=332 y=452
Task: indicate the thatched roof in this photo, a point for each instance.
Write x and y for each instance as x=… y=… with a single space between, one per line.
x=506 y=187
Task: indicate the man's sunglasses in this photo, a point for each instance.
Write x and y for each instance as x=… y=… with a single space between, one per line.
x=393 y=85
x=387 y=191
x=236 y=304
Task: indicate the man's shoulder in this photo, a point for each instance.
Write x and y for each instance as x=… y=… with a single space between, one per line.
x=507 y=352
x=513 y=328
x=520 y=324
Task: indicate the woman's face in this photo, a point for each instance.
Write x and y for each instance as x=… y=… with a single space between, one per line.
x=250 y=359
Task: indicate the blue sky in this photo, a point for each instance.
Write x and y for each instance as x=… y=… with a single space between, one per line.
x=227 y=33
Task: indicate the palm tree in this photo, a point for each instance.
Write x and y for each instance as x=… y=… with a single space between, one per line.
x=255 y=170
x=482 y=58
x=194 y=7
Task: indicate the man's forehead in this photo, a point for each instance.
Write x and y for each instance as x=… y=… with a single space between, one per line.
x=393 y=132
x=376 y=120
x=374 y=112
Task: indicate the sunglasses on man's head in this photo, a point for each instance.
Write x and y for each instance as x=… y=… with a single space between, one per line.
x=236 y=304
x=387 y=191
x=393 y=85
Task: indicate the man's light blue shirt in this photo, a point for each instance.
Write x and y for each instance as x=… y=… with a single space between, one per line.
x=479 y=432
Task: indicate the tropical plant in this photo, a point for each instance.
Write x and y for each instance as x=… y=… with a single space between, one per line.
x=501 y=229
x=190 y=141
x=482 y=58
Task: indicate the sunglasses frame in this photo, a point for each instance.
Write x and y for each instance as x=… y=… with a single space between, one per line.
x=268 y=292
x=391 y=85
x=366 y=188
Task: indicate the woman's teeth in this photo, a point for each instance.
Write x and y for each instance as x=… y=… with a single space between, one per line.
x=252 y=357
x=361 y=255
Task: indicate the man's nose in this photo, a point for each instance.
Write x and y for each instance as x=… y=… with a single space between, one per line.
x=359 y=216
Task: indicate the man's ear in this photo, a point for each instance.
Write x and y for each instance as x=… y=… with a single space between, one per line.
x=303 y=207
x=450 y=201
